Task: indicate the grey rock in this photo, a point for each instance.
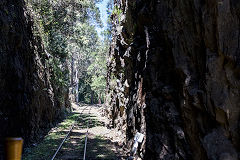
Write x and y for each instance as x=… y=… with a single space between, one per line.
x=183 y=69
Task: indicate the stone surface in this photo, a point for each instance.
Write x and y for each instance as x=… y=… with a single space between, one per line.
x=174 y=75
x=28 y=105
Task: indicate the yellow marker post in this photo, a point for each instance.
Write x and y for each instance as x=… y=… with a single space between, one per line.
x=13 y=148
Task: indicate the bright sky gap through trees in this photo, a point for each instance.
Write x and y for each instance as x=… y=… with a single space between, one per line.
x=104 y=17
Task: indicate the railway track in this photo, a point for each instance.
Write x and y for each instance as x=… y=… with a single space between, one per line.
x=83 y=134
x=74 y=140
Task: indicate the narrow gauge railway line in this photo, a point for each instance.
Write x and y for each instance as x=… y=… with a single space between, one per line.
x=68 y=135
x=86 y=137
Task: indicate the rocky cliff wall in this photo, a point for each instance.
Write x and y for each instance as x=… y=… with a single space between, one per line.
x=28 y=105
x=174 y=75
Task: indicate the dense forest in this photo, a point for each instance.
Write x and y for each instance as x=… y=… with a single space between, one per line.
x=77 y=55
x=160 y=82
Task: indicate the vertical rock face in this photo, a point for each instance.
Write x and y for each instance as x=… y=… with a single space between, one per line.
x=174 y=75
x=27 y=102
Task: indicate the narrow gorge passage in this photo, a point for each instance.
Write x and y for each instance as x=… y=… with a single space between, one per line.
x=157 y=79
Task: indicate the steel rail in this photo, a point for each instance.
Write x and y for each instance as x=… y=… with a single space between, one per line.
x=85 y=145
x=60 y=146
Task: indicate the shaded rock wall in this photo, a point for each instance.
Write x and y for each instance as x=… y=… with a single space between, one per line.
x=174 y=75
x=27 y=101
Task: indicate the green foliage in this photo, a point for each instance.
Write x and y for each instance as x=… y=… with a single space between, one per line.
x=98 y=84
x=117 y=12
x=98 y=70
x=68 y=31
